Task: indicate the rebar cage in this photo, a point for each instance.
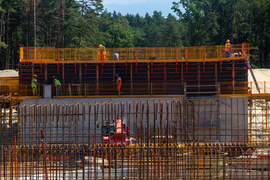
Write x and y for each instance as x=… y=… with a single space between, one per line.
x=218 y=138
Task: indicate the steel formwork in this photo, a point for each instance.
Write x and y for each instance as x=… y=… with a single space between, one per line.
x=185 y=139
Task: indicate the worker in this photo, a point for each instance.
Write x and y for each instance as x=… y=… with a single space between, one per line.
x=118 y=83
x=34 y=85
x=237 y=54
x=58 y=86
x=228 y=48
x=115 y=56
x=102 y=52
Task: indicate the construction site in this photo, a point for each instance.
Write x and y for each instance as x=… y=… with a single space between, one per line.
x=182 y=113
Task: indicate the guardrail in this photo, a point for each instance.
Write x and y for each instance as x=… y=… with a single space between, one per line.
x=80 y=55
x=264 y=87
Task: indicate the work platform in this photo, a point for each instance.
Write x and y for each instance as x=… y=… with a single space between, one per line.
x=144 y=71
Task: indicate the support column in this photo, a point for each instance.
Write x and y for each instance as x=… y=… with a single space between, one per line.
x=199 y=77
x=182 y=73
x=114 y=73
x=46 y=73
x=131 y=79
x=63 y=73
x=80 y=73
x=148 y=79
x=233 y=77
x=33 y=70
x=216 y=77
x=97 y=79
x=165 y=79
x=114 y=78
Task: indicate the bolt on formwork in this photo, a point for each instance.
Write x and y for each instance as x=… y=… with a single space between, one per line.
x=185 y=139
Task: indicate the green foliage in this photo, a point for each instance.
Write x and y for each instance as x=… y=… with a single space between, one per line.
x=84 y=23
x=2 y=44
x=120 y=36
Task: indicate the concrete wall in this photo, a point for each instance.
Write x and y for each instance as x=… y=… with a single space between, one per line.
x=223 y=120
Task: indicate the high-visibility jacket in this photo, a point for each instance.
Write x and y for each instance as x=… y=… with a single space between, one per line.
x=56 y=82
x=102 y=50
x=34 y=83
x=119 y=83
x=227 y=47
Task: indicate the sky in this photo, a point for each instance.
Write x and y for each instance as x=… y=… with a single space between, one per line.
x=139 y=6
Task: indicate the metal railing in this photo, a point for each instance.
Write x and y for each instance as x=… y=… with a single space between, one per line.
x=88 y=55
x=264 y=87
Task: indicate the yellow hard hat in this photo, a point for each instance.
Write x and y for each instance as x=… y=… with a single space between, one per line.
x=239 y=53
x=228 y=41
x=100 y=45
x=35 y=75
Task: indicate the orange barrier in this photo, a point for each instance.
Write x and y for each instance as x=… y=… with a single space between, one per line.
x=147 y=54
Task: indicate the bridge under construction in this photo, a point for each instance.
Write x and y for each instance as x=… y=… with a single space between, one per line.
x=184 y=113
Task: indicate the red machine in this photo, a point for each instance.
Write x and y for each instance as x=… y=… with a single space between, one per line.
x=116 y=133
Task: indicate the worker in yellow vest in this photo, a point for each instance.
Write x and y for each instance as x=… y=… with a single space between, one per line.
x=58 y=86
x=228 y=48
x=34 y=85
x=102 y=52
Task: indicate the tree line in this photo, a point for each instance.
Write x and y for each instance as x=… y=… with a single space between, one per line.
x=85 y=24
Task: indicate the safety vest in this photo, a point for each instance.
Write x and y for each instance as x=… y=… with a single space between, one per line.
x=102 y=50
x=57 y=82
x=119 y=81
x=34 y=83
x=227 y=47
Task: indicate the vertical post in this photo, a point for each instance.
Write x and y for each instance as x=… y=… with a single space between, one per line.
x=264 y=87
x=233 y=77
x=185 y=90
x=33 y=69
x=266 y=118
x=15 y=157
x=186 y=59
x=220 y=59
x=216 y=76
x=63 y=72
x=58 y=58
x=131 y=78
x=75 y=66
x=44 y=156
x=165 y=79
x=176 y=65
x=199 y=78
x=46 y=73
x=148 y=78
x=250 y=117
x=182 y=73
x=151 y=89
x=85 y=64
x=80 y=73
x=97 y=79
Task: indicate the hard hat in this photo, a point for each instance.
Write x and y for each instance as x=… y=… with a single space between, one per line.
x=53 y=77
x=100 y=45
x=239 y=53
x=228 y=41
x=35 y=75
x=117 y=75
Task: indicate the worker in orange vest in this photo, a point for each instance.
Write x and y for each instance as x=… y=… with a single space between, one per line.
x=118 y=83
x=102 y=52
x=228 y=48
